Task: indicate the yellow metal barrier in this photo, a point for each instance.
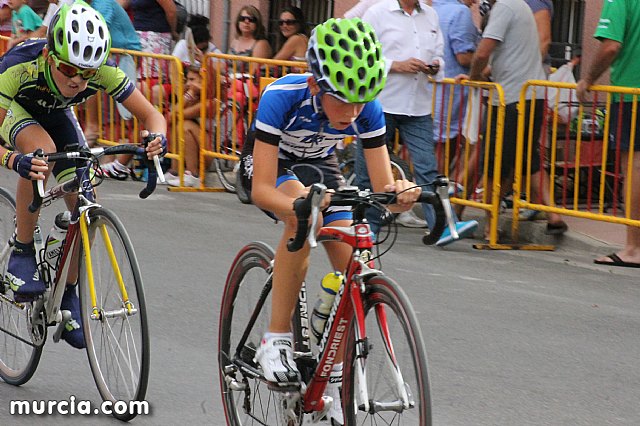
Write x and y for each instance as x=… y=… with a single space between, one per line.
x=235 y=82
x=587 y=152
x=457 y=167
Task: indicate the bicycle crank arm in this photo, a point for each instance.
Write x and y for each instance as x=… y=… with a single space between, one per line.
x=66 y=316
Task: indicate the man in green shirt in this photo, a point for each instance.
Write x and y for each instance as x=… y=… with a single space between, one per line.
x=619 y=34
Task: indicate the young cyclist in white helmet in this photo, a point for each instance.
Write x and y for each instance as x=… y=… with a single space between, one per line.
x=40 y=81
x=300 y=119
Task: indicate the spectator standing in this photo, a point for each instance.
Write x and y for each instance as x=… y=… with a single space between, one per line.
x=543 y=14
x=510 y=45
x=294 y=35
x=619 y=35
x=413 y=45
x=123 y=36
x=360 y=8
x=461 y=37
x=251 y=38
x=24 y=21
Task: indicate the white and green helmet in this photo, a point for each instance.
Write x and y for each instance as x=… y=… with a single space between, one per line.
x=79 y=35
x=346 y=59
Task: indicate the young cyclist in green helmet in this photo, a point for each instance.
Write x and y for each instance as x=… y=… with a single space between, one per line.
x=300 y=119
x=40 y=82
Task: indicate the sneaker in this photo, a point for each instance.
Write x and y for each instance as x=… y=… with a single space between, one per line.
x=114 y=171
x=23 y=274
x=275 y=356
x=334 y=390
x=189 y=180
x=72 y=332
x=464 y=229
x=409 y=219
x=167 y=176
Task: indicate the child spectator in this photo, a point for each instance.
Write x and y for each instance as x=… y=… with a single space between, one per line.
x=23 y=19
x=191 y=114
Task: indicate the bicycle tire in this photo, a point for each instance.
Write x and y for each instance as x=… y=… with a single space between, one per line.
x=18 y=359
x=404 y=331
x=249 y=284
x=115 y=333
x=400 y=170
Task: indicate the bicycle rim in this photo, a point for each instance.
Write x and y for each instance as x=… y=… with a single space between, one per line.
x=19 y=357
x=248 y=282
x=117 y=340
x=386 y=303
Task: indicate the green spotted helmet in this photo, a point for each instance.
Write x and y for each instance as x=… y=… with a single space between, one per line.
x=346 y=59
x=79 y=35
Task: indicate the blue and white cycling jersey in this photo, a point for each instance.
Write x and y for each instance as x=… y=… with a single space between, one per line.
x=290 y=117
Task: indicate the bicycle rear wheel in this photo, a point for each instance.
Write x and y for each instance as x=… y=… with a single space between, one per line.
x=244 y=317
x=19 y=355
x=117 y=337
x=395 y=364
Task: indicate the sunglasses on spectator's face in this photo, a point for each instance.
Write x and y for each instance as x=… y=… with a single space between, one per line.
x=282 y=22
x=250 y=19
x=70 y=70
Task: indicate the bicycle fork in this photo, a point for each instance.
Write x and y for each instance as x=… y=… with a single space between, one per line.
x=362 y=351
x=96 y=312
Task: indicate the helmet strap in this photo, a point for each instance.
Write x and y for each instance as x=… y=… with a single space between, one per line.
x=48 y=76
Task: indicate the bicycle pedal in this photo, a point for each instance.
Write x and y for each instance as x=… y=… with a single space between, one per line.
x=327 y=403
x=66 y=316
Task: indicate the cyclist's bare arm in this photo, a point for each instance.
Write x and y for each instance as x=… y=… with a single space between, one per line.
x=38 y=167
x=382 y=180
x=151 y=119
x=265 y=172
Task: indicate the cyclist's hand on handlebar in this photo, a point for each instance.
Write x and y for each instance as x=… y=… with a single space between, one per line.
x=407 y=191
x=29 y=167
x=158 y=146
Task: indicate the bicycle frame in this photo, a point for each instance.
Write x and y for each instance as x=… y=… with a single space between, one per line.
x=344 y=311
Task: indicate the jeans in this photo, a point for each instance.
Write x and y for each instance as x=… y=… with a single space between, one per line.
x=417 y=134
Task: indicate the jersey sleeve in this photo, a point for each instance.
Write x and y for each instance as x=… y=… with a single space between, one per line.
x=371 y=125
x=10 y=81
x=113 y=81
x=270 y=119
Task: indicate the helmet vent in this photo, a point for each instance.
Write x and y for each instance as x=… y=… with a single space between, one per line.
x=367 y=44
x=90 y=27
x=348 y=61
x=360 y=26
x=340 y=78
x=370 y=60
x=362 y=73
x=75 y=26
x=335 y=56
x=75 y=47
x=358 y=51
x=352 y=34
x=329 y=40
x=322 y=55
x=87 y=53
x=351 y=84
x=59 y=38
x=97 y=54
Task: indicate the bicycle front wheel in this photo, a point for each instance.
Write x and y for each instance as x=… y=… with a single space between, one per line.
x=19 y=355
x=116 y=330
x=244 y=317
x=393 y=369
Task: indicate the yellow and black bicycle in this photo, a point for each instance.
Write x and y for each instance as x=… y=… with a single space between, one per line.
x=110 y=287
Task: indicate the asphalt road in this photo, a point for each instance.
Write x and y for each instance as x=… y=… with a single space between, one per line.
x=513 y=338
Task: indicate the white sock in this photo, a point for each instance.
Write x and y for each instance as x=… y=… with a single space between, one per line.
x=269 y=335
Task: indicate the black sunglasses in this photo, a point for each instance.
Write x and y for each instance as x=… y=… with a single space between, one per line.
x=282 y=22
x=251 y=19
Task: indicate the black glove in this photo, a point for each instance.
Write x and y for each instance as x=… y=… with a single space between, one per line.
x=22 y=164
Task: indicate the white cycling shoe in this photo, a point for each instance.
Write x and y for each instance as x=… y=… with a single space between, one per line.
x=275 y=357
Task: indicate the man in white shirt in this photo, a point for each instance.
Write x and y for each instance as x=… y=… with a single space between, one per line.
x=413 y=47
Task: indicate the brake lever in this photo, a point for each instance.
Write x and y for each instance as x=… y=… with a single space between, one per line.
x=442 y=189
x=316 y=198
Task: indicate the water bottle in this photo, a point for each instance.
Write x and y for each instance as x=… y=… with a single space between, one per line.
x=56 y=238
x=329 y=287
